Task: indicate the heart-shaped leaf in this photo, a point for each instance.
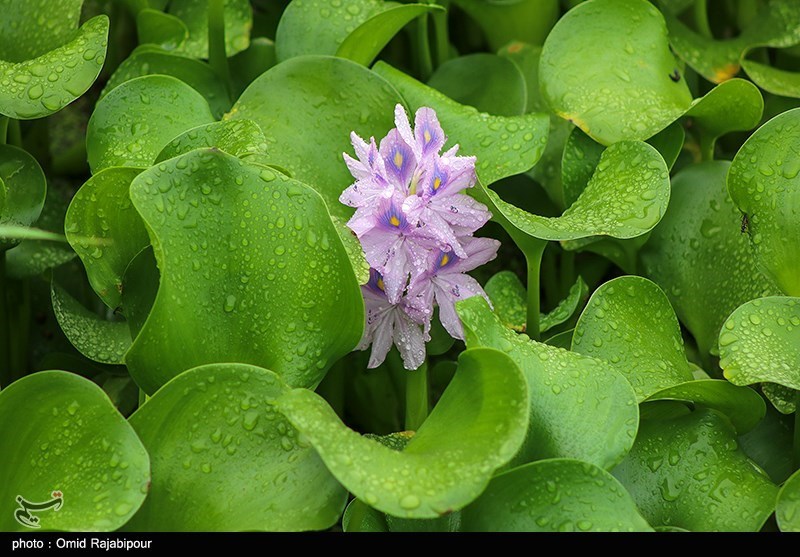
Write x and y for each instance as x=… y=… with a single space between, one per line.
x=30 y=28
x=331 y=96
x=630 y=87
x=788 y=509
x=764 y=184
x=105 y=230
x=240 y=138
x=699 y=255
x=630 y=323
x=488 y=82
x=476 y=427
x=40 y=86
x=22 y=191
x=525 y=20
x=760 y=341
x=689 y=472
x=557 y=495
x=266 y=272
x=735 y=105
x=580 y=407
x=131 y=124
x=147 y=60
x=60 y=433
x=503 y=145
x=194 y=14
x=97 y=339
x=242 y=467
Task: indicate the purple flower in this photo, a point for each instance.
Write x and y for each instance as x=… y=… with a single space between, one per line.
x=415 y=225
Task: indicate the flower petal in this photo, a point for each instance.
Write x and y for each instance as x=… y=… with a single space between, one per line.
x=399 y=161
x=409 y=339
x=428 y=132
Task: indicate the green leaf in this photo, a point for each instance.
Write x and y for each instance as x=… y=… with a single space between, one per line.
x=30 y=28
x=146 y=60
x=760 y=341
x=240 y=138
x=23 y=188
x=96 y=338
x=242 y=467
x=65 y=435
x=689 y=472
x=630 y=323
x=764 y=184
x=784 y=399
x=154 y=27
x=777 y=24
x=773 y=80
x=330 y=96
x=487 y=82
x=265 y=271
x=251 y=63
x=699 y=255
x=788 y=509
x=13 y=232
x=769 y=444
x=503 y=145
x=557 y=495
x=743 y=406
x=578 y=163
x=580 y=407
x=35 y=88
x=524 y=20
x=105 y=230
x=604 y=207
x=131 y=124
x=371 y=521
x=194 y=13
x=627 y=89
x=476 y=427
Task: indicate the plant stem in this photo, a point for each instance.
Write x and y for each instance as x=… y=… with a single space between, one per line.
x=533 y=250
x=5 y=345
x=442 y=37
x=416 y=397
x=217 y=56
x=701 y=18
x=796 y=443
x=423 y=48
x=567 y=272
x=3 y=129
x=14 y=133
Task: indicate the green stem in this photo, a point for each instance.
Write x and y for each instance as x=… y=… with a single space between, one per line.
x=442 y=36
x=533 y=250
x=14 y=133
x=416 y=397
x=423 y=48
x=706 y=148
x=796 y=443
x=5 y=344
x=701 y=18
x=567 y=272
x=3 y=129
x=217 y=56
x=549 y=277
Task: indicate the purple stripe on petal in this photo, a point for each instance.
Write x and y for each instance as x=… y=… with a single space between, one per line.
x=428 y=132
x=398 y=159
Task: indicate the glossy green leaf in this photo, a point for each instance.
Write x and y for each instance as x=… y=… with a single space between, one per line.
x=773 y=80
x=760 y=342
x=139 y=289
x=266 y=272
x=476 y=427
x=629 y=87
x=669 y=142
x=352 y=246
x=22 y=192
x=784 y=399
x=146 y=60
x=155 y=27
x=788 y=509
x=769 y=444
x=371 y=520
x=194 y=13
x=40 y=86
x=557 y=495
x=30 y=28
x=524 y=20
x=764 y=184
x=699 y=255
x=105 y=230
x=689 y=472
x=580 y=407
x=251 y=63
x=242 y=467
x=503 y=145
x=15 y=233
x=509 y=300
x=604 y=208
x=487 y=82
x=65 y=435
x=330 y=96
x=96 y=338
x=240 y=138
x=743 y=406
x=579 y=160
x=630 y=323
x=131 y=124
x=777 y=24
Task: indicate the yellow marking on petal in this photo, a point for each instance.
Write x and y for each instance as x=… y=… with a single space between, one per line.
x=445 y=260
x=427 y=136
x=398 y=160
x=437 y=183
x=394 y=221
x=380 y=284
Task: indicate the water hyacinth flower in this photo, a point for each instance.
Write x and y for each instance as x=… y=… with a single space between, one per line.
x=416 y=227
